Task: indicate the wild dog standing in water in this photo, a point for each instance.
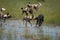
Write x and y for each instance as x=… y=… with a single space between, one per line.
x=6 y=16
x=28 y=19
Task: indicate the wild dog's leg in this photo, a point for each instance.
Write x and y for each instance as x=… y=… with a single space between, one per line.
x=4 y=19
x=22 y=12
x=40 y=22
x=30 y=22
x=36 y=22
x=26 y=24
x=26 y=14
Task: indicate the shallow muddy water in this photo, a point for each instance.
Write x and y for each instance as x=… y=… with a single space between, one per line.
x=16 y=30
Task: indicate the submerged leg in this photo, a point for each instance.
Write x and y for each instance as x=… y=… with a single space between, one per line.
x=36 y=23
x=0 y=22
x=23 y=20
x=26 y=24
x=40 y=23
x=4 y=19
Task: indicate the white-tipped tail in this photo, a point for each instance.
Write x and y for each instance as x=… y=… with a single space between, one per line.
x=3 y=9
x=40 y=4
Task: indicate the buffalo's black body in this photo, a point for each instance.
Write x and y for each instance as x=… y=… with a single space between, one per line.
x=39 y=19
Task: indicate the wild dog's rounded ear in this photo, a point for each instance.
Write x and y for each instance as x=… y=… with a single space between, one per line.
x=29 y=2
x=7 y=13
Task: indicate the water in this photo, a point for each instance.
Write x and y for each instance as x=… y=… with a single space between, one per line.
x=15 y=30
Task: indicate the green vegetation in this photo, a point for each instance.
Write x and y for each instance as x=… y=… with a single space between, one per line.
x=50 y=9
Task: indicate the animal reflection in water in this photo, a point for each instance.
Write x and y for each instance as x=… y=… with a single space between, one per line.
x=39 y=19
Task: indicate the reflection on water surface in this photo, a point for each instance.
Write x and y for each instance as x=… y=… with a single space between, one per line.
x=15 y=30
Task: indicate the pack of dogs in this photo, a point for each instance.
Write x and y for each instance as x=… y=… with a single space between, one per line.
x=27 y=10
